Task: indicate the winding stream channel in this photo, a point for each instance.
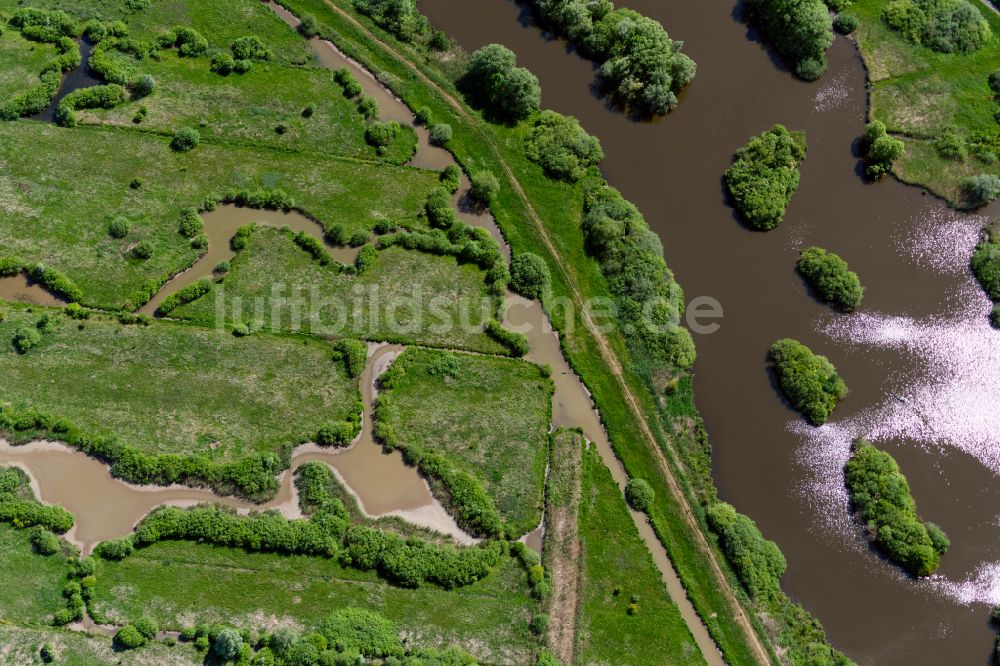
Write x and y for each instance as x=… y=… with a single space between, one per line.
x=919 y=357
x=105 y=507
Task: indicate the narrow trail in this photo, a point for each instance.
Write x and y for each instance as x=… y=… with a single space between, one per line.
x=607 y=354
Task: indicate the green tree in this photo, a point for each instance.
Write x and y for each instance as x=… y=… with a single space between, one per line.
x=494 y=83
x=831 y=278
x=529 y=275
x=639 y=494
x=227 y=644
x=808 y=380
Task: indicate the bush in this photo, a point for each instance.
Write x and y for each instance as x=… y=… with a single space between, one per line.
x=143 y=86
x=147 y=627
x=948 y=26
x=347 y=82
x=493 y=83
x=561 y=147
x=986 y=267
x=994 y=81
x=529 y=275
x=381 y=134
x=361 y=630
x=639 y=494
x=830 y=278
x=950 y=145
x=368 y=107
x=143 y=250
x=354 y=354
x=881 y=496
x=119 y=227
x=995 y=316
x=758 y=563
x=47 y=653
x=191 y=223
x=809 y=381
x=26 y=339
x=485 y=187
x=115 y=549
x=249 y=48
x=451 y=178
x=44 y=542
x=764 y=176
x=516 y=343
x=309 y=110
x=129 y=638
x=190 y=293
x=185 y=139
x=639 y=63
x=222 y=64
x=982 y=189
x=882 y=150
x=423 y=115
x=440 y=134
x=366 y=258
x=539 y=624
x=309 y=26
x=400 y=17
x=845 y=24
x=801 y=30
x=227 y=644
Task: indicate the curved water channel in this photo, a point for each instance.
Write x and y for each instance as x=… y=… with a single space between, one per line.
x=919 y=357
x=106 y=507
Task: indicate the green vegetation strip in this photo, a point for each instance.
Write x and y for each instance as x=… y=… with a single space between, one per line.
x=473 y=424
x=625 y=611
x=169 y=403
x=881 y=497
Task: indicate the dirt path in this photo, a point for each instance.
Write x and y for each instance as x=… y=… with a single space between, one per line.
x=607 y=354
x=562 y=541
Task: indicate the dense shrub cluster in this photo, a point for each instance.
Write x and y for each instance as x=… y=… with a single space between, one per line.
x=269 y=532
x=185 y=139
x=451 y=178
x=493 y=82
x=529 y=275
x=638 y=60
x=948 y=26
x=845 y=24
x=275 y=199
x=830 y=278
x=313 y=246
x=55 y=282
x=881 y=150
x=484 y=187
x=516 y=343
x=190 y=293
x=129 y=638
x=191 y=223
x=188 y=41
x=649 y=302
x=559 y=145
x=20 y=510
x=639 y=494
x=400 y=17
x=354 y=354
x=43 y=25
x=986 y=267
x=982 y=188
x=881 y=496
x=801 y=30
x=380 y=135
x=366 y=258
x=809 y=381
x=413 y=562
x=44 y=542
x=764 y=176
x=26 y=339
x=758 y=563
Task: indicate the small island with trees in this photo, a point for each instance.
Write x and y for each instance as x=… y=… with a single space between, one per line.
x=881 y=498
x=764 y=176
x=830 y=278
x=808 y=380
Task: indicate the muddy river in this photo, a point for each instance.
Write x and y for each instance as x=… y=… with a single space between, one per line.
x=919 y=357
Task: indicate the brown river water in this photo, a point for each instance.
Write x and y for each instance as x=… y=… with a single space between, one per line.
x=919 y=357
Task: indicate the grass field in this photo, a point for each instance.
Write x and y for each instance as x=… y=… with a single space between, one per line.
x=182 y=583
x=489 y=416
x=221 y=22
x=918 y=92
x=110 y=10
x=617 y=567
x=406 y=296
x=171 y=388
x=30 y=584
x=250 y=108
x=22 y=63
x=59 y=189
